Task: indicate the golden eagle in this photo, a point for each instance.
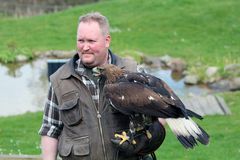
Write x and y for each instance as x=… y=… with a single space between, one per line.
x=140 y=93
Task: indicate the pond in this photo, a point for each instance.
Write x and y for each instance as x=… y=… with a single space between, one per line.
x=178 y=85
x=24 y=87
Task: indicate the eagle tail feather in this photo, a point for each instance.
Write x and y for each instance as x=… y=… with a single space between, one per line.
x=204 y=137
x=193 y=114
x=187 y=132
x=187 y=142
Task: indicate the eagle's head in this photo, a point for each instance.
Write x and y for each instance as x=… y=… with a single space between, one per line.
x=109 y=71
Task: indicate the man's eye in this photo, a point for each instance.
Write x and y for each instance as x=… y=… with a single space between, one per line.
x=80 y=40
x=92 y=41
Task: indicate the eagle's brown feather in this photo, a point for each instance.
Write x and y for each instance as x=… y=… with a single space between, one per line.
x=132 y=92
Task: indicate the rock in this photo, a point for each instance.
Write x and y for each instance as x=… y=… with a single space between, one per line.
x=62 y=54
x=165 y=60
x=152 y=61
x=211 y=71
x=21 y=58
x=48 y=54
x=191 y=79
x=211 y=74
x=235 y=84
x=232 y=69
x=59 y=54
x=177 y=65
x=221 y=85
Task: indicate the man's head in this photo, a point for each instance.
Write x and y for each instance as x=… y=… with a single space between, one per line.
x=93 y=39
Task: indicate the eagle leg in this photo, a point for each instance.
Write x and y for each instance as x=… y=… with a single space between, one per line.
x=132 y=132
x=139 y=122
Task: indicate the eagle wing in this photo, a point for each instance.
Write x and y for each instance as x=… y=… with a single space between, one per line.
x=149 y=95
x=134 y=97
x=159 y=87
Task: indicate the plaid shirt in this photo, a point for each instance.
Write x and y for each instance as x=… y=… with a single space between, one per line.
x=52 y=124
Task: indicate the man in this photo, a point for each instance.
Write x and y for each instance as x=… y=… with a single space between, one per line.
x=78 y=123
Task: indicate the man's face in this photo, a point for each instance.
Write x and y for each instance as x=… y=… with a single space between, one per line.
x=92 y=45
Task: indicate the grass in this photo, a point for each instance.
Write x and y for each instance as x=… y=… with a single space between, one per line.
x=224 y=141
x=206 y=31
x=194 y=30
x=19 y=136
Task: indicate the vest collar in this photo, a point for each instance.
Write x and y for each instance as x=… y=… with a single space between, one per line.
x=69 y=68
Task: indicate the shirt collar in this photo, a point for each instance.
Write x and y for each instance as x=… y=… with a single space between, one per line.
x=76 y=68
x=81 y=69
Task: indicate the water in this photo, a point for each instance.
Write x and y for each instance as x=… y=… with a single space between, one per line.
x=178 y=85
x=24 y=87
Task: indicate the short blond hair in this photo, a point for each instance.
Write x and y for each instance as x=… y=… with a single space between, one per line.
x=96 y=17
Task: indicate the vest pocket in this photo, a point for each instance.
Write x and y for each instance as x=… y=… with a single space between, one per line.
x=70 y=112
x=75 y=147
x=65 y=148
x=81 y=146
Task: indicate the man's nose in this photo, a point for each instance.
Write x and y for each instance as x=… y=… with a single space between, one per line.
x=86 y=47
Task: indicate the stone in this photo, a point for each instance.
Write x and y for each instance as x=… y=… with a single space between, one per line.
x=152 y=61
x=62 y=54
x=221 y=85
x=232 y=68
x=235 y=84
x=191 y=79
x=165 y=60
x=59 y=54
x=211 y=71
x=21 y=58
x=177 y=65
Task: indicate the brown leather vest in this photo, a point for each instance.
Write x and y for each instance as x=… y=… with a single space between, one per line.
x=87 y=129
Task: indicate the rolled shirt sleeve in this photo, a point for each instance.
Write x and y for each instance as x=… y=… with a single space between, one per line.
x=51 y=124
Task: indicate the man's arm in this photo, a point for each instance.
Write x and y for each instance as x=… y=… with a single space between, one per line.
x=49 y=148
x=51 y=127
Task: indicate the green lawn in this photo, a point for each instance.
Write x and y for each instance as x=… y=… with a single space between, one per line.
x=223 y=130
x=19 y=136
x=206 y=31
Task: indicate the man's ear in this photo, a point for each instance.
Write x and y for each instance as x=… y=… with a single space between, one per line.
x=108 y=41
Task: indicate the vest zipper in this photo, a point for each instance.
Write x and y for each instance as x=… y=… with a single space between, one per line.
x=99 y=116
x=99 y=121
x=101 y=132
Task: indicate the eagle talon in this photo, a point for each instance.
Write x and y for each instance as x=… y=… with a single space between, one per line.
x=134 y=142
x=123 y=136
x=149 y=135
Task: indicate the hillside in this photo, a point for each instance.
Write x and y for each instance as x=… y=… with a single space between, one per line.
x=194 y=30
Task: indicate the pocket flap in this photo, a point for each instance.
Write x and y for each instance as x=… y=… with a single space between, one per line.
x=69 y=104
x=71 y=112
x=65 y=149
x=81 y=146
x=81 y=149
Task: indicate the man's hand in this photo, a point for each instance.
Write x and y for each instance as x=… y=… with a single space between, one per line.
x=143 y=143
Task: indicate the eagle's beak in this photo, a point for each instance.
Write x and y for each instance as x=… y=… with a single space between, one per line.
x=96 y=71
